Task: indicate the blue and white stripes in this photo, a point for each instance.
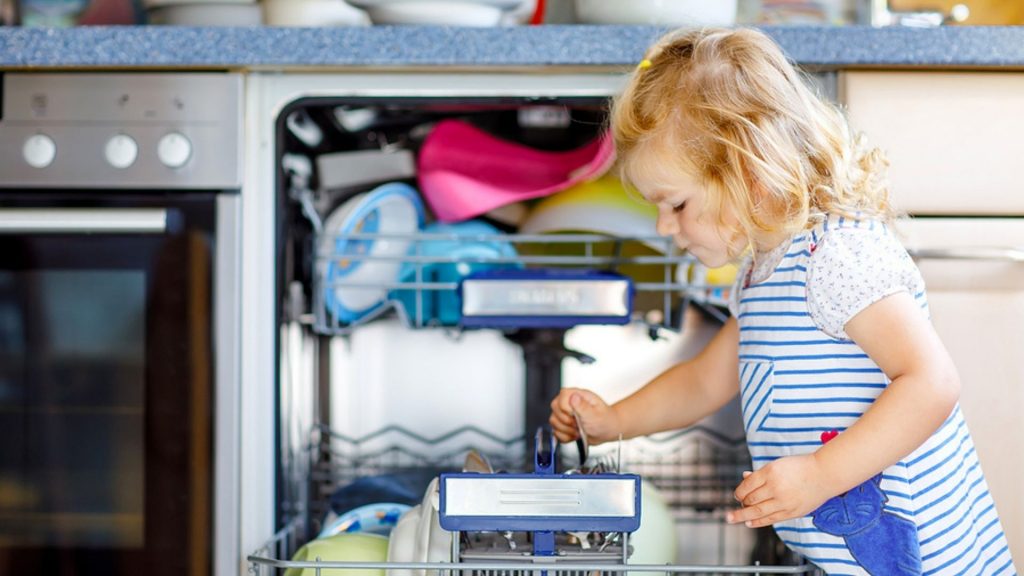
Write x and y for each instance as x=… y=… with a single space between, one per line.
x=796 y=382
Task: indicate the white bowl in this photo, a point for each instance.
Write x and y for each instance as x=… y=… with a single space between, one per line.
x=155 y=3
x=312 y=13
x=206 y=14
x=660 y=12
x=350 y=278
x=437 y=12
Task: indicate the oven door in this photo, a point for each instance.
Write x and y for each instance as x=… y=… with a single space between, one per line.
x=106 y=385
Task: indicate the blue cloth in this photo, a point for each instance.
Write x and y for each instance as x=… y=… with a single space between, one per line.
x=401 y=487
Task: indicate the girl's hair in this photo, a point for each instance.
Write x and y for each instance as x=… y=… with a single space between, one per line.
x=727 y=108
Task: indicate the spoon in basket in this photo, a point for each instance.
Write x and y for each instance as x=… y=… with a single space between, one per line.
x=581 y=440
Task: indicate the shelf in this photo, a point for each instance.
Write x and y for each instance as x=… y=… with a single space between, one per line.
x=694 y=470
x=368 y=276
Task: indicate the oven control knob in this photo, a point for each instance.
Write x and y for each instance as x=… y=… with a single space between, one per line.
x=174 y=150
x=39 y=151
x=121 y=151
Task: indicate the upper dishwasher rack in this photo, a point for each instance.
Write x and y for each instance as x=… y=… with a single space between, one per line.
x=404 y=283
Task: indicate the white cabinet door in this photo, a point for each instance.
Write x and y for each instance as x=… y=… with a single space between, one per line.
x=954 y=139
x=977 y=307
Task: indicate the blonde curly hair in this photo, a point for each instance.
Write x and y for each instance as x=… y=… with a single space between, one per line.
x=728 y=109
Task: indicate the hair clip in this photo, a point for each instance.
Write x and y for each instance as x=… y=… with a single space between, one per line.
x=644 y=64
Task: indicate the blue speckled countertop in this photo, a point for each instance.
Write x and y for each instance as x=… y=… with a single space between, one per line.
x=562 y=45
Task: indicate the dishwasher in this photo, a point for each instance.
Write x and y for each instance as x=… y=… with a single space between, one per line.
x=387 y=368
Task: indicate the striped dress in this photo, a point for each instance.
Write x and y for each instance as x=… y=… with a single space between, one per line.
x=801 y=376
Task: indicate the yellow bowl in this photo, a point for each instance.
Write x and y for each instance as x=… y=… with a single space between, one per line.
x=602 y=206
x=344 y=547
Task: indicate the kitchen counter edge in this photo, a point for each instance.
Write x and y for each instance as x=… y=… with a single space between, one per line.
x=511 y=48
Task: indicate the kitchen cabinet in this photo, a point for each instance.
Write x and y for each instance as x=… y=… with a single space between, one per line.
x=976 y=299
x=953 y=138
x=953 y=141
x=983 y=12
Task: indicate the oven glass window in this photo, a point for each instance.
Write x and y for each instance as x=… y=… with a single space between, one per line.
x=72 y=407
x=107 y=388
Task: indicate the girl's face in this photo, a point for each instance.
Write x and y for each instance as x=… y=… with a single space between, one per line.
x=683 y=215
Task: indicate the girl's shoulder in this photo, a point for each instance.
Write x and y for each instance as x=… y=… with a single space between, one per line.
x=840 y=237
x=852 y=264
x=846 y=229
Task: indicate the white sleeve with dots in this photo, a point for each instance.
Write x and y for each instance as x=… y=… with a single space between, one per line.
x=851 y=269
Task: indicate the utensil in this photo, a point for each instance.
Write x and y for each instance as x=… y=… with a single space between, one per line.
x=581 y=440
x=477 y=462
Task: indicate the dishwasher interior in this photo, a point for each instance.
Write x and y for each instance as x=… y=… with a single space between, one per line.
x=399 y=357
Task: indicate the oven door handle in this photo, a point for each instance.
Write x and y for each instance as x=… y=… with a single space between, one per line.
x=968 y=253
x=83 y=220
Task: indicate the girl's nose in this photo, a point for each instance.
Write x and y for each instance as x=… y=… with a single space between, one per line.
x=666 y=224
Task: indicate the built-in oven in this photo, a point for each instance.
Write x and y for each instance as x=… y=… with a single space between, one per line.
x=119 y=209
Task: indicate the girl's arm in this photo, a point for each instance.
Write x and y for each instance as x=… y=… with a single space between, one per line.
x=678 y=397
x=687 y=392
x=924 y=389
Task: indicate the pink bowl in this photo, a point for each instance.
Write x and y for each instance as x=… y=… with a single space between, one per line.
x=465 y=172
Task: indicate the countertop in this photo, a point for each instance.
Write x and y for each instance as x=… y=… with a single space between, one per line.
x=267 y=48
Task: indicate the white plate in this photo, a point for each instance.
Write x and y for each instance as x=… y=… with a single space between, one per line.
x=155 y=3
x=658 y=12
x=503 y=4
x=208 y=14
x=418 y=536
x=312 y=13
x=437 y=12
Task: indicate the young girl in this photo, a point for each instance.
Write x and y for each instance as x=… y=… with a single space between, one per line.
x=830 y=325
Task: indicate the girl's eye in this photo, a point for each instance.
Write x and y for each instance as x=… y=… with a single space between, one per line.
x=679 y=207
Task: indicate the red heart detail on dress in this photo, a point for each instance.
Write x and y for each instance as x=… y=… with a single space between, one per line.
x=828 y=435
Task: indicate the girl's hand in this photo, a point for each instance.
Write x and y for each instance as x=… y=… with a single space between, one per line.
x=599 y=420
x=790 y=487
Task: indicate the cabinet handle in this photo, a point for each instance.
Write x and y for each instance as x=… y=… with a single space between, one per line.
x=996 y=254
x=83 y=220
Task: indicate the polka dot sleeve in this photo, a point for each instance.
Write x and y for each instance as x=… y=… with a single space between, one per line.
x=852 y=268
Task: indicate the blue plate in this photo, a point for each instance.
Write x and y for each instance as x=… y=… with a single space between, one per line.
x=354 y=267
x=372 y=519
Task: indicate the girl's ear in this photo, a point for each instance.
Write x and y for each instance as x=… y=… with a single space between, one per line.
x=761 y=200
x=759 y=193
x=770 y=209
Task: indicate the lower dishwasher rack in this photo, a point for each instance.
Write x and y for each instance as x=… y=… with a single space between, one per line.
x=271 y=560
x=694 y=469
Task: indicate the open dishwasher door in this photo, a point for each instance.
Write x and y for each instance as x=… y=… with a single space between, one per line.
x=974 y=272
